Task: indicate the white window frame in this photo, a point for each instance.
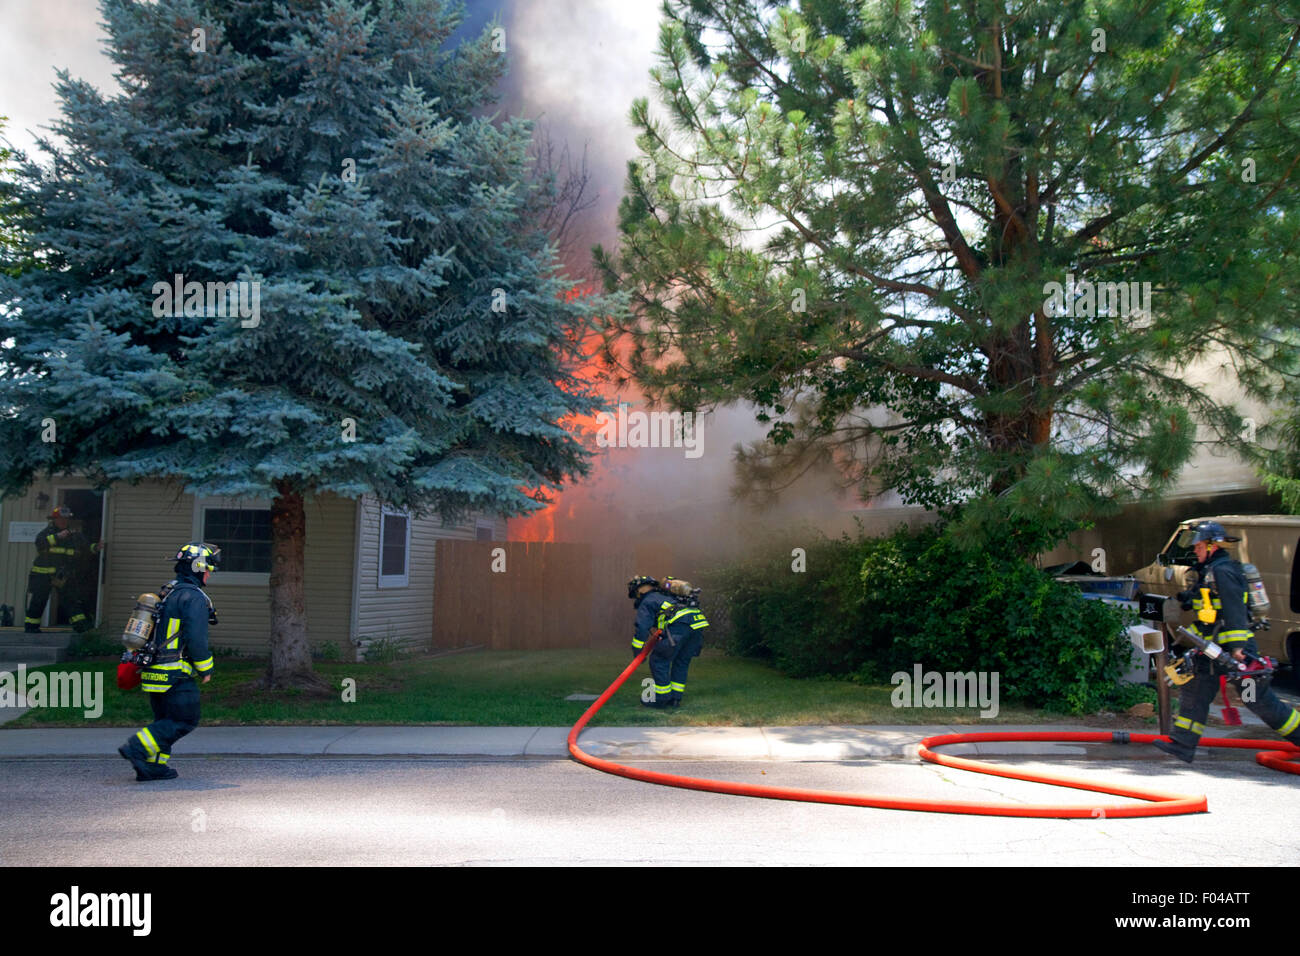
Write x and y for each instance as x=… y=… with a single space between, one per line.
x=219 y=577
x=393 y=580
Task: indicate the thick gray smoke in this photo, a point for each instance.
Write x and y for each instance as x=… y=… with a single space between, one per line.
x=576 y=67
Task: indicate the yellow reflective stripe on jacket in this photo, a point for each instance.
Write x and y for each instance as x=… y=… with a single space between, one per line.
x=203 y=665
x=44 y=570
x=1291 y=724
x=637 y=644
x=1232 y=637
x=183 y=666
x=686 y=612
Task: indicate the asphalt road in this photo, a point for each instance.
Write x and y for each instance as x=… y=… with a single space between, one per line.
x=322 y=811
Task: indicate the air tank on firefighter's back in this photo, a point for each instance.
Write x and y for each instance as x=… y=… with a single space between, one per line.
x=139 y=626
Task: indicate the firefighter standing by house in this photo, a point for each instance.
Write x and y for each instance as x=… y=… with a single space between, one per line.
x=180 y=652
x=1226 y=622
x=666 y=609
x=61 y=563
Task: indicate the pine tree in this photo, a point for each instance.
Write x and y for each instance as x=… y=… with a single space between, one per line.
x=889 y=225
x=7 y=240
x=402 y=329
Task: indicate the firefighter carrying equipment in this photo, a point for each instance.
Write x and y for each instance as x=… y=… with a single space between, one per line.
x=1222 y=621
x=1221 y=590
x=58 y=551
x=682 y=628
x=179 y=648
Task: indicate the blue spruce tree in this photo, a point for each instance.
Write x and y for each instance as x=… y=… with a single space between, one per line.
x=292 y=257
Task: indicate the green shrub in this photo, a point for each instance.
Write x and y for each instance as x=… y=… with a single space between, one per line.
x=386 y=649
x=327 y=651
x=809 y=623
x=868 y=608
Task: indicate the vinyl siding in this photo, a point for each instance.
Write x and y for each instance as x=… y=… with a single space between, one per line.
x=150 y=521
x=405 y=614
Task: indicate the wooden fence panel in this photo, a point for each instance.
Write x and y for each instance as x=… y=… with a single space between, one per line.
x=550 y=595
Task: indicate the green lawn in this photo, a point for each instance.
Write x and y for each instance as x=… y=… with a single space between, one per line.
x=526 y=688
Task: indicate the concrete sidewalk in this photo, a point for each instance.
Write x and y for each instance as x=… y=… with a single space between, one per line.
x=614 y=743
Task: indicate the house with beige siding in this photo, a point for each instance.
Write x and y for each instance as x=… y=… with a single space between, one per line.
x=369 y=574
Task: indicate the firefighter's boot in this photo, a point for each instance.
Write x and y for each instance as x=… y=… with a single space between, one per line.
x=133 y=752
x=1175 y=749
x=1182 y=742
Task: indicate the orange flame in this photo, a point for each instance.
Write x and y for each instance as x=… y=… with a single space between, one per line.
x=541 y=525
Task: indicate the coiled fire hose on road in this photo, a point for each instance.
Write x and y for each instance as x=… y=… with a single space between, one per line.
x=1278 y=755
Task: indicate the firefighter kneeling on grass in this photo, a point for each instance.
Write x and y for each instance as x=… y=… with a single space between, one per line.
x=1223 y=624
x=175 y=652
x=672 y=610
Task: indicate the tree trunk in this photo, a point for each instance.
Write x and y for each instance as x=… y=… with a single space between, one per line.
x=290 y=651
x=1013 y=369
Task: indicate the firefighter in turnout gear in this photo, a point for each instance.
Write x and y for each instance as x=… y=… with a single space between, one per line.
x=1220 y=599
x=667 y=609
x=60 y=556
x=176 y=655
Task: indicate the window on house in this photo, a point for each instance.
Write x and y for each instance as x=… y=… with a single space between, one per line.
x=394 y=549
x=483 y=531
x=243 y=535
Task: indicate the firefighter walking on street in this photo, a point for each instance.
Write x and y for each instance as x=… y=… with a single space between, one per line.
x=179 y=654
x=1219 y=596
x=667 y=609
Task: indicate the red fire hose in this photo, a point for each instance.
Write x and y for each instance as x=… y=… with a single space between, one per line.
x=1279 y=755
